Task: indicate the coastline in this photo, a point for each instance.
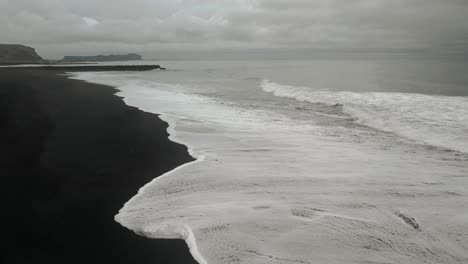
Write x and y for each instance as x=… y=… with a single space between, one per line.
x=86 y=154
x=83 y=68
x=177 y=230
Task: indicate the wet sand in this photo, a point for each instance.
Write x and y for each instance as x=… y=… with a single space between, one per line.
x=77 y=153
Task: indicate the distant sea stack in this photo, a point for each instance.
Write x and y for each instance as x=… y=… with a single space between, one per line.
x=18 y=54
x=127 y=57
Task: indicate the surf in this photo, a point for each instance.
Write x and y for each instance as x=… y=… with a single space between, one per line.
x=440 y=121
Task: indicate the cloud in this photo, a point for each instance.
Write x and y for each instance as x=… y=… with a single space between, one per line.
x=90 y=21
x=59 y=27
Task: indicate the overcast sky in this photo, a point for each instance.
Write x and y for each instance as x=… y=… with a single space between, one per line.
x=164 y=28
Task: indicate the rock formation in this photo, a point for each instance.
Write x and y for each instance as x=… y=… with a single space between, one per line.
x=18 y=54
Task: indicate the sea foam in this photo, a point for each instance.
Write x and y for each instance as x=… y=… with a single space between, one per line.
x=268 y=189
x=435 y=120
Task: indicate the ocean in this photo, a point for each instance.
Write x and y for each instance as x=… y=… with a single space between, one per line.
x=307 y=161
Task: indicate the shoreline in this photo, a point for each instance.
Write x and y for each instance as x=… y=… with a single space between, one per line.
x=186 y=232
x=84 y=68
x=86 y=153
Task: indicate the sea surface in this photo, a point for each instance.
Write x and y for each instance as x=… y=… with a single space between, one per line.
x=308 y=161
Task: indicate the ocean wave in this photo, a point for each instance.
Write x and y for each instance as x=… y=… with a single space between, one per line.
x=264 y=191
x=440 y=121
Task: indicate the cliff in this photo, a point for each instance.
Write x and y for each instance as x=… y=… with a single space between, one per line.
x=127 y=57
x=18 y=54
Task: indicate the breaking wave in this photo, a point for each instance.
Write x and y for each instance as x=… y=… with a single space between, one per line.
x=440 y=121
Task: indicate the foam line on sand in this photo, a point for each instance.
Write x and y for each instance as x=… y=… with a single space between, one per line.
x=177 y=230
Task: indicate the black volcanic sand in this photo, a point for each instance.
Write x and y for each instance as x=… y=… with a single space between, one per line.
x=77 y=153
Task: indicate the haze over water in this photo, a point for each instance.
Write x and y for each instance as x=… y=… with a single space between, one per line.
x=309 y=161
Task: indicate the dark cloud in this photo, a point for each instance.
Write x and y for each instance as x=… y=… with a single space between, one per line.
x=58 y=27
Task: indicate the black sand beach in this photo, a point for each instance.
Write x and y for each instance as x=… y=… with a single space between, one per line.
x=77 y=153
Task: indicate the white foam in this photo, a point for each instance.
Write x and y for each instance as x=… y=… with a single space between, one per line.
x=436 y=120
x=173 y=230
x=268 y=189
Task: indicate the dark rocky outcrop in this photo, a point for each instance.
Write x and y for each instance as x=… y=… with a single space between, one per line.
x=18 y=54
x=126 y=57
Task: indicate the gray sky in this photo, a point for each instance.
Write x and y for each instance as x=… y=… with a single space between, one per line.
x=165 y=28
